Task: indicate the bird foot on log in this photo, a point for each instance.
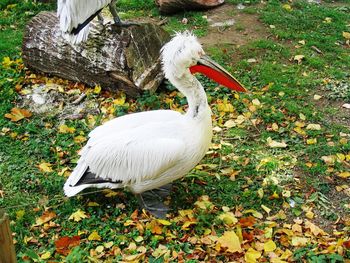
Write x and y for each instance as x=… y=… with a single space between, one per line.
x=120 y=23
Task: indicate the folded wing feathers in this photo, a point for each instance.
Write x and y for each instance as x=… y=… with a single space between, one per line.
x=71 y=13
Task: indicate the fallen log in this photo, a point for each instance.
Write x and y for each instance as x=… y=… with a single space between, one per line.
x=115 y=58
x=174 y=6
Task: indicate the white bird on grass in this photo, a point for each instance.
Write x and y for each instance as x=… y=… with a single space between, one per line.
x=75 y=17
x=146 y=151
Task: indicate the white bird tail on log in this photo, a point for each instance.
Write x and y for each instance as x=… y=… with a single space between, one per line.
x=75 y=17
x=115 y=58
x=147 y=150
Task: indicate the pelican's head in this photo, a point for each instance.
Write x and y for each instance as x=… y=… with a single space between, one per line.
x=183 y=55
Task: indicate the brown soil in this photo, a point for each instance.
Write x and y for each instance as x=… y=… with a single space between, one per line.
x=246 y=27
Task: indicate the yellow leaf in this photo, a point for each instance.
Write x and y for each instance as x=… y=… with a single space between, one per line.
x=119 y=102
x=252 y=255
x=299 y=58
x=267 y=210
x=20 y=214
x=313 y=127
x=164 y=222
x=99 y=249
x=109 y=244
x=65 y=129
x=79 y=139
x=45 y=167
x=344 y=175
x=78 y=216
x=269 y=246
x=93 y=204
x=311 y=141
x=97 y=89
x=204 y=203
x=18 y=114
x=299 y=241
x=138 y=239
x=346 y=35
x=287 y=7
x=256 y=102
x=228 y=218
x=7 y=62
x=231 y=241
x=274 y=127
x=187 y=224
x=94 y=236
x=274 y=144
x=46 y=255
x=327 y=20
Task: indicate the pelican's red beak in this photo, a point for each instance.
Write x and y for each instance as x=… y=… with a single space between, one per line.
x=212 y=70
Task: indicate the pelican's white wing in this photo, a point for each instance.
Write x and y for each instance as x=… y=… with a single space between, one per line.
x=130 y=149
x=73 y=13
x=132 y=121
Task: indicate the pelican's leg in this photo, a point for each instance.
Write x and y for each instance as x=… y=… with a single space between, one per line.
x=117 y=20
x=153 y=200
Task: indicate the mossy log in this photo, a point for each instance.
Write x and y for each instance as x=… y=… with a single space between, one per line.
x=174 y=6
x=116 y=58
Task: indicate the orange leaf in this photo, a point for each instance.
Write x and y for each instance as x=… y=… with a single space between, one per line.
x=18 y=114
x=64 y=244
x=44 y=218
x=346 y=244
x=247 y=221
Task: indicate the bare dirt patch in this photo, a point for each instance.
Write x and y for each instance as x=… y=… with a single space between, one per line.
x=233 y=27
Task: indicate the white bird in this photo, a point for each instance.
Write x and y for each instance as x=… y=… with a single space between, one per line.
x=75 y=17
x=148 y=150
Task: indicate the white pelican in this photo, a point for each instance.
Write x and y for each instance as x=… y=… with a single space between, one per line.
x=76 y=15
x=148 y=150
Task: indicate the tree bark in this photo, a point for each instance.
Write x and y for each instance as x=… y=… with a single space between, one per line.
x=116 y=58
x=7 y=249
x=173 y=6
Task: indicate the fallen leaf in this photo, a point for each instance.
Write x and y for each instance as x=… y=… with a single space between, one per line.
x=313 y=127
x=164 y=222
x=327 y=20
x=252 y=255
x=287 y=7
x=64 y=244
x=18 y=114
x=346 y=35
x=230 y=124
x=269 y=246
x=228 y=218
x=317 y=97
x=344 y=175
x=45 y=255
x=44 y=218
x=299 y=241
x=97 y=89
x=78 y=216
x=299 y=58
x=274 y=144
x=79 y=139
x=45 y=167
x=94 y=236
x=231 y=241
x=247 y=221
x=311 y=141
x=65 y=129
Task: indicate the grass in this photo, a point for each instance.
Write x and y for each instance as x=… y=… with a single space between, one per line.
x=240 y=172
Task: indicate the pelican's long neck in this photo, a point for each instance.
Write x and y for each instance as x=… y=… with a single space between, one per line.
x=195 y=94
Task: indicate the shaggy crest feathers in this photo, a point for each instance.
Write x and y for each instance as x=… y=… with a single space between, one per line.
x=180 y=53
